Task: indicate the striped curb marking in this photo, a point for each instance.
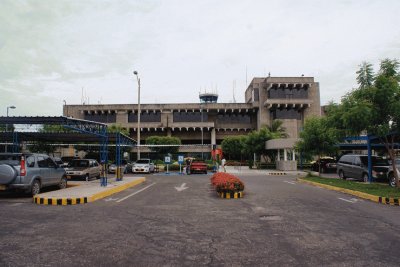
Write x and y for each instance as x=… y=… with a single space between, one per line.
x=277 y=173
x=231 y=195
x=382 y=200
x=83 y=200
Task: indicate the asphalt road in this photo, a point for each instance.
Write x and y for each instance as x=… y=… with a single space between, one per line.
x=279 y=222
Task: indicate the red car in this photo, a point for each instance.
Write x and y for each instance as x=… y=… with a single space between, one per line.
x=199 y=166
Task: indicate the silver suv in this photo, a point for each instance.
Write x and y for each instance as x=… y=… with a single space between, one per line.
x=356 y=166
x=30 y=172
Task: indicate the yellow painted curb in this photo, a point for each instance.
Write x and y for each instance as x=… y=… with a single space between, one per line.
x=231 y=195
x=382 y=200
x=83 y=200
x=116 y=189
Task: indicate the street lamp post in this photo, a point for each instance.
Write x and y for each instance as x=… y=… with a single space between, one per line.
x=8 y=107
x=138 y=122
x=202 y=134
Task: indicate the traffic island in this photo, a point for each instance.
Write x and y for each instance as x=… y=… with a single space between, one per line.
x=86 y=192
x=227 y=185
x=375 y=198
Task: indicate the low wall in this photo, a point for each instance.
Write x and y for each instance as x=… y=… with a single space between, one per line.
x=286 y=165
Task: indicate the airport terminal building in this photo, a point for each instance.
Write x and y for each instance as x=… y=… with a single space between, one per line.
x=290 y=99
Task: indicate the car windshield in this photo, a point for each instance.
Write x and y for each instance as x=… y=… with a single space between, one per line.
x=376 y=161
x=143 y=161
x=79 y=164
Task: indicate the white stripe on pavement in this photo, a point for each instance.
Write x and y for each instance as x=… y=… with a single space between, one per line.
x=293 y=183
x=353 y=200
x=128 y=196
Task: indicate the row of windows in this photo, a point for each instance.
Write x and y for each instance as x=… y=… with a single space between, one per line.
x=233 y=118
x=145 y=117
x=105 y=118
x=288 y=93
x=286 y=114
x=190 y=117
x=177 y=117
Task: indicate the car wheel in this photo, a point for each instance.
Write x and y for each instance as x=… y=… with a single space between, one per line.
x=87 y=177
x=35 y=189
x=365 y=178
x=63 y=183
x=341 y=175
x=392 y=179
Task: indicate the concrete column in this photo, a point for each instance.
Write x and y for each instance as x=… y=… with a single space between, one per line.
x=122 y=117
x=169 y=133
x=293 y=155
x=279 y=155
x=284 y=154
x=213 y=137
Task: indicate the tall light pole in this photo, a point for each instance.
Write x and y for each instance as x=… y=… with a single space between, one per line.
x=8 y=107
x=138 y=121
x=202 y=134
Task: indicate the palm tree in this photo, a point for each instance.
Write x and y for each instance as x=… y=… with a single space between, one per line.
x=277 y=129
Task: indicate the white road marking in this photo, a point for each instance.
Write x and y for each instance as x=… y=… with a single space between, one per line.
x=128 y=196
x=181 y=188
x=110 y=199
x=293 y=183
x=353 y=200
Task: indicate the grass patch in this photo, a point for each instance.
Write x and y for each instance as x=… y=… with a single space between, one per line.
x=375 y=189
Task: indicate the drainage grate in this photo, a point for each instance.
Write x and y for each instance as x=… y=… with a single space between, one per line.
x=270 y=218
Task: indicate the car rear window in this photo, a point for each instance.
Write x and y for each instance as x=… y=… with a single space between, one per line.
x=79 y=163
x=376 y=161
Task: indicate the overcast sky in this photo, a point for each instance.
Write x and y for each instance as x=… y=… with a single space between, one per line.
x=51 y=51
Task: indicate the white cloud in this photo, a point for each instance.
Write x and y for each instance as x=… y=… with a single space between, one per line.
x=50 y=50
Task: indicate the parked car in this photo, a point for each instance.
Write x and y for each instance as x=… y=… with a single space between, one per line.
x=143 y=166
x=328 y=164
x=83 y=168
x=392 y=180
x=198 y=165
x=30 y=172
x=356 y=166
x=124 y=164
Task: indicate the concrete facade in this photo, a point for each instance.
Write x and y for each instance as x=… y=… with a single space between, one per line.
x=290 y=99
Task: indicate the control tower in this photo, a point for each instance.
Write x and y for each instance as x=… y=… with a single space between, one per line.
x=208 y=98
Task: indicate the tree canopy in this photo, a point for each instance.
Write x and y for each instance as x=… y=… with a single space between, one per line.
x=163 y=141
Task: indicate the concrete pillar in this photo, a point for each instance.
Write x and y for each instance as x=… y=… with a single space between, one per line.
x=279 y=155
x=169 y=133
x=213 y=137
x=293 y=155
x=284 y=154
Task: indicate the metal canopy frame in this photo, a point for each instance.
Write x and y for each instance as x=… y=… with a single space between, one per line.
x=88 y=131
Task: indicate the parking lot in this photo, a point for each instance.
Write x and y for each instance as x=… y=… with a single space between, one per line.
x=178 y=220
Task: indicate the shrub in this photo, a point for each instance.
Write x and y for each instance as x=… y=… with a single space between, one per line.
x=225 y=182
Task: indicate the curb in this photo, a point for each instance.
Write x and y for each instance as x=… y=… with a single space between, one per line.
x=231 y=195
x=277 y=173
x=83 y=200
x=382 y=200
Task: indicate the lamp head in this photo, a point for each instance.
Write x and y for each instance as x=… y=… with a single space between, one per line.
x=135 y=72
x=12 y=107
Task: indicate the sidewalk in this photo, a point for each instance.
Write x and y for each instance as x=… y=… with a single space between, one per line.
x=246 y=170
x=85 y=192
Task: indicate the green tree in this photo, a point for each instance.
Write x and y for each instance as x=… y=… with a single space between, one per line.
x=375 y=109
x=255 y=142
x=233 y=147
x=318 y=137
x=117 y=128
x=164 y=144
x=365 y=75
x=277 y=128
